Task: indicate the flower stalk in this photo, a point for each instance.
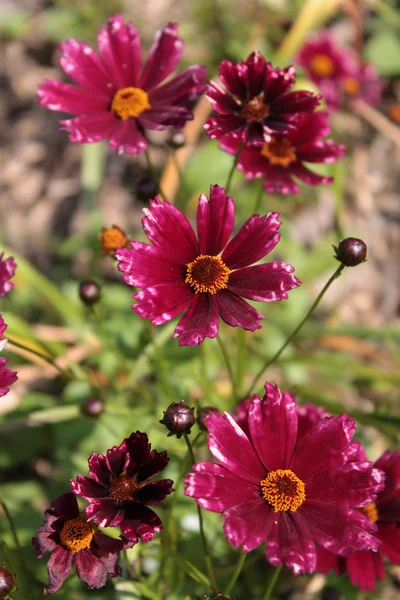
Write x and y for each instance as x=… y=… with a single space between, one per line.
x=236 y=573
x=272 y=583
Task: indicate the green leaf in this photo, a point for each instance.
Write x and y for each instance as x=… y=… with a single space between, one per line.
x=196 y=574
x=383 y=50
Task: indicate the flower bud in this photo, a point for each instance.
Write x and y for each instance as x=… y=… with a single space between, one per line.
x=351 y=252
x=7 y=579
x=177 y=139
x=146 y=189
x=202 y=414
x=93 y=407
x=111 y=239
x=178 y=418
x=89 y=292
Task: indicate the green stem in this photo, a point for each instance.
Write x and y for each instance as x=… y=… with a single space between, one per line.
x=295 y=332
x=228 y=363
x=258 y=199
x=153 y=174
x=43 y=356
x=233 y=167
x=207 y=557
x=235 y=573
x=12 y=526
x=272 y=583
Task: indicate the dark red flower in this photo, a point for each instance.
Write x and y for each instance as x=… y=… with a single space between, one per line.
x=7 y=377
x=283 y=157
x=208 y=276
x=362 y=83
x=364 y=568
x=119 y=97
x=68 y=535
x=120 y=489
x=291 y=495
x=256 y=102
x=7 y=270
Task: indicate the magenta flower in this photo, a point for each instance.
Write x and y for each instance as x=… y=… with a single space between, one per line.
x=283 y=157
x=7 y=270
x=67 y=534
x=120 y=489
x=7 y=377
x=180 y=271
x=326 y=64
x=256 y=102
x=119 y=97
x=363 y=83
x=269 y=488
x=364 y=568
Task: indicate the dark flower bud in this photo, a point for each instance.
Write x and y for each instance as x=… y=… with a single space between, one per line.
x=7 y=579
x=177 y=139
x=351 y=252
x=202 y=414
x=146 y=189
x=178 y=418
x=93 y=407
x=89 y=292
x=330 y=593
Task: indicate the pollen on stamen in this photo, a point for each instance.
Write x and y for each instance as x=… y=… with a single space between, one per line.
x=130 y=102
x=322 y=65
x=122 y=488
x=255 y=110
x=77 y=534
x=283 y=490
x=279 y=151
x=371 y=512
x=207 y=274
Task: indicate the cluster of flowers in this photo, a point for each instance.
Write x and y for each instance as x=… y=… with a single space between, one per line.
x=7 y=270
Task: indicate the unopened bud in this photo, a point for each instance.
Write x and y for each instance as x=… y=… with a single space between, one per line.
x=146 y=189
x=177 y=139
x=351 y=252
x=7 y=579
x=93 y=407
x=111 y=239
x=89 y=292
x=178 y=419
x=202 y=414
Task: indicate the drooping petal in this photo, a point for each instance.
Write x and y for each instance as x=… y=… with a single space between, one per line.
x=236 y=312
x=290 y=543
x=321 y=152
x=127 y=138
x=163 y=302
x=215 y=220
x=278 y=179
x=90 y=128
x=58 y=569
x=44 y=540
x=80 y=62
x=120 y=49
x=184 y=87
x=106 y=513
x=248 y=524
x=200 y=320
x=88 y=489
x=137 y=515
x=310 y=127
x=163 y=57
x=90 y=569
x=155 y=492
x=65 y=97
x=266 y=283
x=162 y=116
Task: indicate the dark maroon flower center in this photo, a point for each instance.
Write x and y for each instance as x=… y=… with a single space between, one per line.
x=283 y=490
x=279 y=151
x=77 y=534
x=322 y=65
x=122 y=488
x=207 y=274
x=130 y=102
x=370 y=511
x=255 y=110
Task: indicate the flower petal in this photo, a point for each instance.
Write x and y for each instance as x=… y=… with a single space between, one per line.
x=153 y=493
x=390 y=537
x=98 y=468
x=237 y=312
x=163 y=58
x=229 y=76
x=321 y=152
x=278 y=179
x=143 y=265
x=65 y=97
x=159 y=118
x=105 y=513
x=248 y=524
x=187 y=86
x=90 y=569
x=80 y=62
x=290 y=543
x=127 y=138
x=221 y=102
x=266 y=283
x=163 y=302
x=90 y=128
x=154 y=464
x=200 y=320
x=88 y=489
x=364 y=568
x=215 y=220
x=58 y=569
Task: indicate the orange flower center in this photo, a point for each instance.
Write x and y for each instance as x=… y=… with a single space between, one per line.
x=112 y=239
x=370 y=511
x=77 y=534
x=394 y=112
x=351 y=86
x=283 y=490
x=122 y=488
x=130 y=102
x=255 y=110
x=322 y=65
x=279 y=152
x=207 y=274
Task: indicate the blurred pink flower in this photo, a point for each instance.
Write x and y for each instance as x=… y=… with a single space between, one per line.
x=7 y=270
x=7 y=377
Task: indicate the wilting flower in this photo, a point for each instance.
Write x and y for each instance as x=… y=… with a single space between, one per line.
x=256 y=102
x=364 y=568
x=67 y=534
x=118 y=97
x=271 y=488
x=362 y=83
x=120 y=489
x=7 y=270
x=283 y=157
x=7 y=377
x=181 y=272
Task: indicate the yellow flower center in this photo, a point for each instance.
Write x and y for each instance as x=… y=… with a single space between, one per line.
x=322 y=65
x=122 y=488
x=130 y=102
x=77 y=534
x=255 y=110
x=207 y=274
x=370 y=511
x=351 y=86
x=112 y=239
x=279 y=152
x=283 y=490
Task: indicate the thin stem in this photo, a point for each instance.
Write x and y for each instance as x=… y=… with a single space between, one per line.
x=233 y=167
x=272 y=583
x=207 y=557
x=258 y=199
x=295 y=332
x=153 y=173
x=228 y=363
x=235 y=573
x=11 y=524
x=35 y=356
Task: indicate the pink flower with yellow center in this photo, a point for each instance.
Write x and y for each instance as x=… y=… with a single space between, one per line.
x=206 y=276
x=292 y=494
x=119 y=96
